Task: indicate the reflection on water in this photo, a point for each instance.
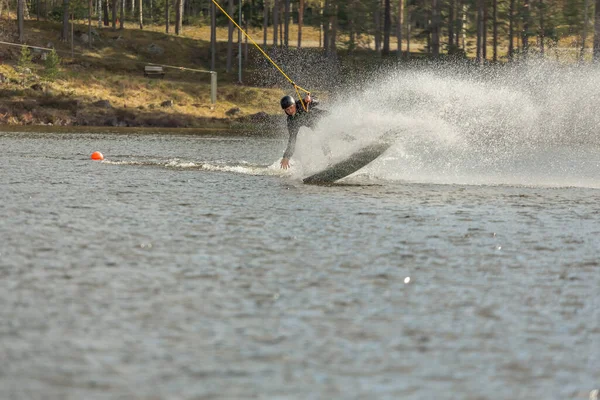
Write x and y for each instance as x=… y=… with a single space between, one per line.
x=191 y=267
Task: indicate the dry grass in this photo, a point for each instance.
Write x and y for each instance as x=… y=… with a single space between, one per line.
x=113 y=70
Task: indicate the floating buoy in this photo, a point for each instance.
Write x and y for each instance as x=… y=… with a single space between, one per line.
x=97 y=156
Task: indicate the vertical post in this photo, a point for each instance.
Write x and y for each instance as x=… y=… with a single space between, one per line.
x=213 y=87
x=240 y=45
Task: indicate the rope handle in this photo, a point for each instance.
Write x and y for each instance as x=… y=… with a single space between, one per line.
x=296 y=87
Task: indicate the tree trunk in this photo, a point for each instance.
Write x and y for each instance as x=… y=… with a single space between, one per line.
x=485 y=31
x=399 y=27
x=25 y=10
x=408 y=28
x=166 y=16
x=114 y=10
x=458 y=24
x=122 y=17
x=351 y=15
x=64 y=36
x=586 y=21
x=265 y=21
x=435 y=28
x=511 y=29
x=387 y=27
x=333 y=36
x=141 y=14
x=286 y=16
x=479 y=56
x=229 y=38
x=525 y=34
x=213 y=36
x=90 y=4
x=105 y=12
x=320 y=23
x=377 y=16
x=275 y=21
x=325 y=19
x=179 y=17
x=451 y=23
x=300 y=22
x=281 y=23
x=597 y=32
x=542 y=33
x=21 y=20
x=463 y=27
x=495 y=30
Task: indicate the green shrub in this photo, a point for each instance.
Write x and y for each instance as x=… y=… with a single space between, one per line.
x=24 y=59
x=51 y=65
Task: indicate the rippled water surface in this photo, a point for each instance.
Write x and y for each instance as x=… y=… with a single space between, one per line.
x=191 y=267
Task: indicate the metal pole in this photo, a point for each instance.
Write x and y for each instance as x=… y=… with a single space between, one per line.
x=240 y=45
x=213 y=87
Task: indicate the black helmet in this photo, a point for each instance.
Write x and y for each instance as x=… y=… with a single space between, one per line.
x=287 y=101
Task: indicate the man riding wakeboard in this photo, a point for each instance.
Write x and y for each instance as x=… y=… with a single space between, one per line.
x=298 y=115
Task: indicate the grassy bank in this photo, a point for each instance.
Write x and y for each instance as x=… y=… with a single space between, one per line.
x=105 y=85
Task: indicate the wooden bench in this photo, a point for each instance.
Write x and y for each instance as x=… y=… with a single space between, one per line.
x=154 y=70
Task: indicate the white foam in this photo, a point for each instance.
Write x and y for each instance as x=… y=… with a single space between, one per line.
x=529 y=124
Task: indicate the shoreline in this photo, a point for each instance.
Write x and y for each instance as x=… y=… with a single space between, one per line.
x=220 y=129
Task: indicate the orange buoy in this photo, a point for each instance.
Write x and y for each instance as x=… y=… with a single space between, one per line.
x=97 y=156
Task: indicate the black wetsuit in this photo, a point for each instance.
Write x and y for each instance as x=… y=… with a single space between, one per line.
x=301 y=118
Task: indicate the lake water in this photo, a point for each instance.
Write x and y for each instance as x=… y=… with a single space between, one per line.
x=192 y=267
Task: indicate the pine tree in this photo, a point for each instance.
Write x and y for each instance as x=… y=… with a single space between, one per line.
x=51 y=66
x=24 y=62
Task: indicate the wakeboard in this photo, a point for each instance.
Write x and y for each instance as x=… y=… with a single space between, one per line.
x=356 y=161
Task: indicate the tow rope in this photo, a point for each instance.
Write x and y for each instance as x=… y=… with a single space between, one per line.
x=296 y=87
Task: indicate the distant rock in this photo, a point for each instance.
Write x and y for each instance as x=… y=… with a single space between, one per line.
x=102 y=103
x=84 y=38
x=259 y=117
x=111 y=121
x=233 y=112
x=167 y=103
x=37 y=87
x=154 y=49
x=2 y=78
x=50 y=45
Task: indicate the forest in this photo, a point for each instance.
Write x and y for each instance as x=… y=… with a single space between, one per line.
x=485 y=30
